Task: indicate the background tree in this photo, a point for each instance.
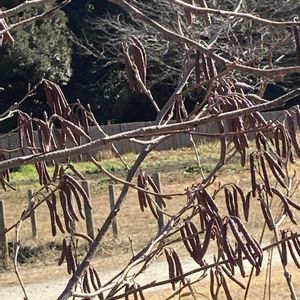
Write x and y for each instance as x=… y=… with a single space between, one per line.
x=102 y=33
x=41 y=50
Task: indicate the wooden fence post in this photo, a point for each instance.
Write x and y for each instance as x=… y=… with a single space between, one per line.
x=111 y=190
x=3 y=241
x=33 y=216
x=161 y=222
x=88 y=211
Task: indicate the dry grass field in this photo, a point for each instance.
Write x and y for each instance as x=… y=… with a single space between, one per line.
x=279 y=289
x=178 y=170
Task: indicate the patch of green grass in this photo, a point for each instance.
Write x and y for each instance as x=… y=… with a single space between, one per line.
x=26 y=173
x=85 y=167
x=179 y=160
x=195 y=169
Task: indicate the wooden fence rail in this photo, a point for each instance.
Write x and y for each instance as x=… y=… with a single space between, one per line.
x=10 y=142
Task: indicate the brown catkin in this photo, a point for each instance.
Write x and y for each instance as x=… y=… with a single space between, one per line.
x=190 y=16
x=292 y=133
x=80 y=189
x=171 y=266
x=284 y=258
x=229 y=202
x=226 y=288
x=207 y=18
x=205 y=244
x=177 y=262
x=141 y=194
x=241 y=242
x=57 y=219
x=69 y=200
x=63 y=252
x=139 y=44
x=265 y=175
x=240 y=263
x=267 y=215
x=223 y=141
x=212 y=284
x=156 y=190
x=293 y=254
x=275 y=169
x=230 y=276
x=253 y=175
x=138 y=59
x=193 y=246
x=52 y=217
x=296 y=244
x=77 y=199
x=150 y=204
x=129 y=70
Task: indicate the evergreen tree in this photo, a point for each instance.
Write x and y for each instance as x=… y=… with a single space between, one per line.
x=42 y=49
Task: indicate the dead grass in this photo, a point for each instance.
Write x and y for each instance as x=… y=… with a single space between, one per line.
x=178 y=171
x=278 y=291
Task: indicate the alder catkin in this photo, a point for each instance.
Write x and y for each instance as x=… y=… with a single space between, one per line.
x=190 y=16
x=207 y=18
x=171 y=266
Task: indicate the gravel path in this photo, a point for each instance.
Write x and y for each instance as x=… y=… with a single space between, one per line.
x=50 y=290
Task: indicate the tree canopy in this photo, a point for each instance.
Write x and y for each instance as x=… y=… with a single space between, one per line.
x=86 y=38
x=41 y=50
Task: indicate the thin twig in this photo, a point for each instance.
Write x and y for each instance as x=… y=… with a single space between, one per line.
x=17 y=248
x=204 y=10
x=35 y=18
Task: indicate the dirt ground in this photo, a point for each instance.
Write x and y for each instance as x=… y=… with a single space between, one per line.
x=50 y=289
x=45 y=280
